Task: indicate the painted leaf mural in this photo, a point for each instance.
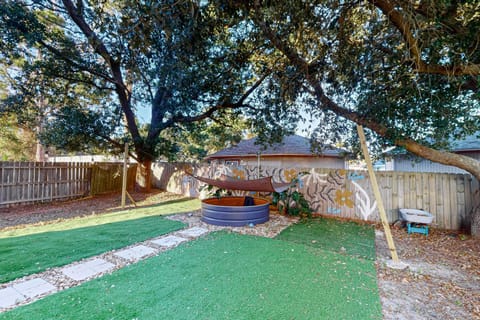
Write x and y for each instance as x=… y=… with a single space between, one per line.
x=363 y=201
x=333 y=192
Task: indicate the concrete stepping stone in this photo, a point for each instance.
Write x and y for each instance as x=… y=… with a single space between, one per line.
x=87 y=269
x=135 y=253
x=169 y=241
x=9 y=297
x=193 y=232
x=34 y=288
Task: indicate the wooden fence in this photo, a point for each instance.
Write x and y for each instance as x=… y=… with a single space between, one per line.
x=451 y=198
x=107 y=177
x=29 y=182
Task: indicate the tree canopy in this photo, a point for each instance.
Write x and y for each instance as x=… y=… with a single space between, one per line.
x=407 y=70
x=97 y=63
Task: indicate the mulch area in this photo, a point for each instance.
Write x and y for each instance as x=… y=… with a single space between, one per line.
x=442 y=281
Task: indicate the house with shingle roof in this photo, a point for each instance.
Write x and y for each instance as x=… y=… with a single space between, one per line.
x=293 y=151
x=403 y=161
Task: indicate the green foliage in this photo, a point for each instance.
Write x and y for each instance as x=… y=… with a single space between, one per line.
x=181 y=61
x=16 y=144
x=292 y=201
x=74 y=128
x=198 y=139
x=350 y=60
x=214 y=192
x=191 y=61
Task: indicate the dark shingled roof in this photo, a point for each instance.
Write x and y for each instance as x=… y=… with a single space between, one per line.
x=470 y=143
x=293 y=145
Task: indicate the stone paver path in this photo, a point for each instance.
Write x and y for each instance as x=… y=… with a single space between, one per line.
x=85 y=270
x=135 y=253
x=10 y=297
x=169 y=241
x=193 y=232
x=20 y=292
x=34 y=288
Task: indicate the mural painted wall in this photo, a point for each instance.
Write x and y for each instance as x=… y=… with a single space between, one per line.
x=336 y=191
x=345 y=193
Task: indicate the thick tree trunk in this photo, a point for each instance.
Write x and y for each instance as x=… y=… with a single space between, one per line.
x=39 y=152
x=148 y=175
x=144 y=177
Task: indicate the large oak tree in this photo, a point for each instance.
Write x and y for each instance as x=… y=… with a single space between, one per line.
x=101 y=62
x=407 y=70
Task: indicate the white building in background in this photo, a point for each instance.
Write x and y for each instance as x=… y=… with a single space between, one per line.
x=85 y=158
x=403 y=161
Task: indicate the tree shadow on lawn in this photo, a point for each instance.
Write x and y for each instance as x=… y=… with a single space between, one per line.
x=176 y=201
x=344 y=237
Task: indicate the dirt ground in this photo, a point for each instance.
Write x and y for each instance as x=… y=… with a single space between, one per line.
x=442 y=280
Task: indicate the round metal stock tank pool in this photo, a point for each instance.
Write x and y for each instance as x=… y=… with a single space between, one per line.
x=231 y=211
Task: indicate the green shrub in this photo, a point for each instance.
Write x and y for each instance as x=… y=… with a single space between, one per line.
x=292 y=201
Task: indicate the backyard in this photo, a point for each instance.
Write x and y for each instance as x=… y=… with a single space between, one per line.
x=311 y=270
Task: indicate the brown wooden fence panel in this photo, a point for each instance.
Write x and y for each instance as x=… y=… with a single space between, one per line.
x=30 y=182
x=23 y=182
x=107 y=177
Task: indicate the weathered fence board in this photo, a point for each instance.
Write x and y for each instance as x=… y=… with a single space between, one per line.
x=29 y=182
x=343 y=193
x=107 y=177
x=43 y=181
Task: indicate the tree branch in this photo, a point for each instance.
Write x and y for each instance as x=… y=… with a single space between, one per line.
x=406 y=29
x=121 y=88
x=97 y=44
x=238 y=104
x=66 y=58
x=326 y=104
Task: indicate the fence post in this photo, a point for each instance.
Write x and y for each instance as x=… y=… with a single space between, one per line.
x=93 y=179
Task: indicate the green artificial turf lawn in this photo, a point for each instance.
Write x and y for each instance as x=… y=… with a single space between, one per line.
x=164 y=208
x=338 y=236
x=32 y=250
x=224 y=276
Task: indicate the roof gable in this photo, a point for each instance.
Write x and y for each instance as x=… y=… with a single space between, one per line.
x=293 y=145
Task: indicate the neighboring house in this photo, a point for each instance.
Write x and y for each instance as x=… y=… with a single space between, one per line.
x=402 y=161
x=293 y=151
x=85 y=158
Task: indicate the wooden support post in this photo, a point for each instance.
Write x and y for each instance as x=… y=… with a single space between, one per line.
x=125 y=172
x=378 y=197
x=131 y=198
